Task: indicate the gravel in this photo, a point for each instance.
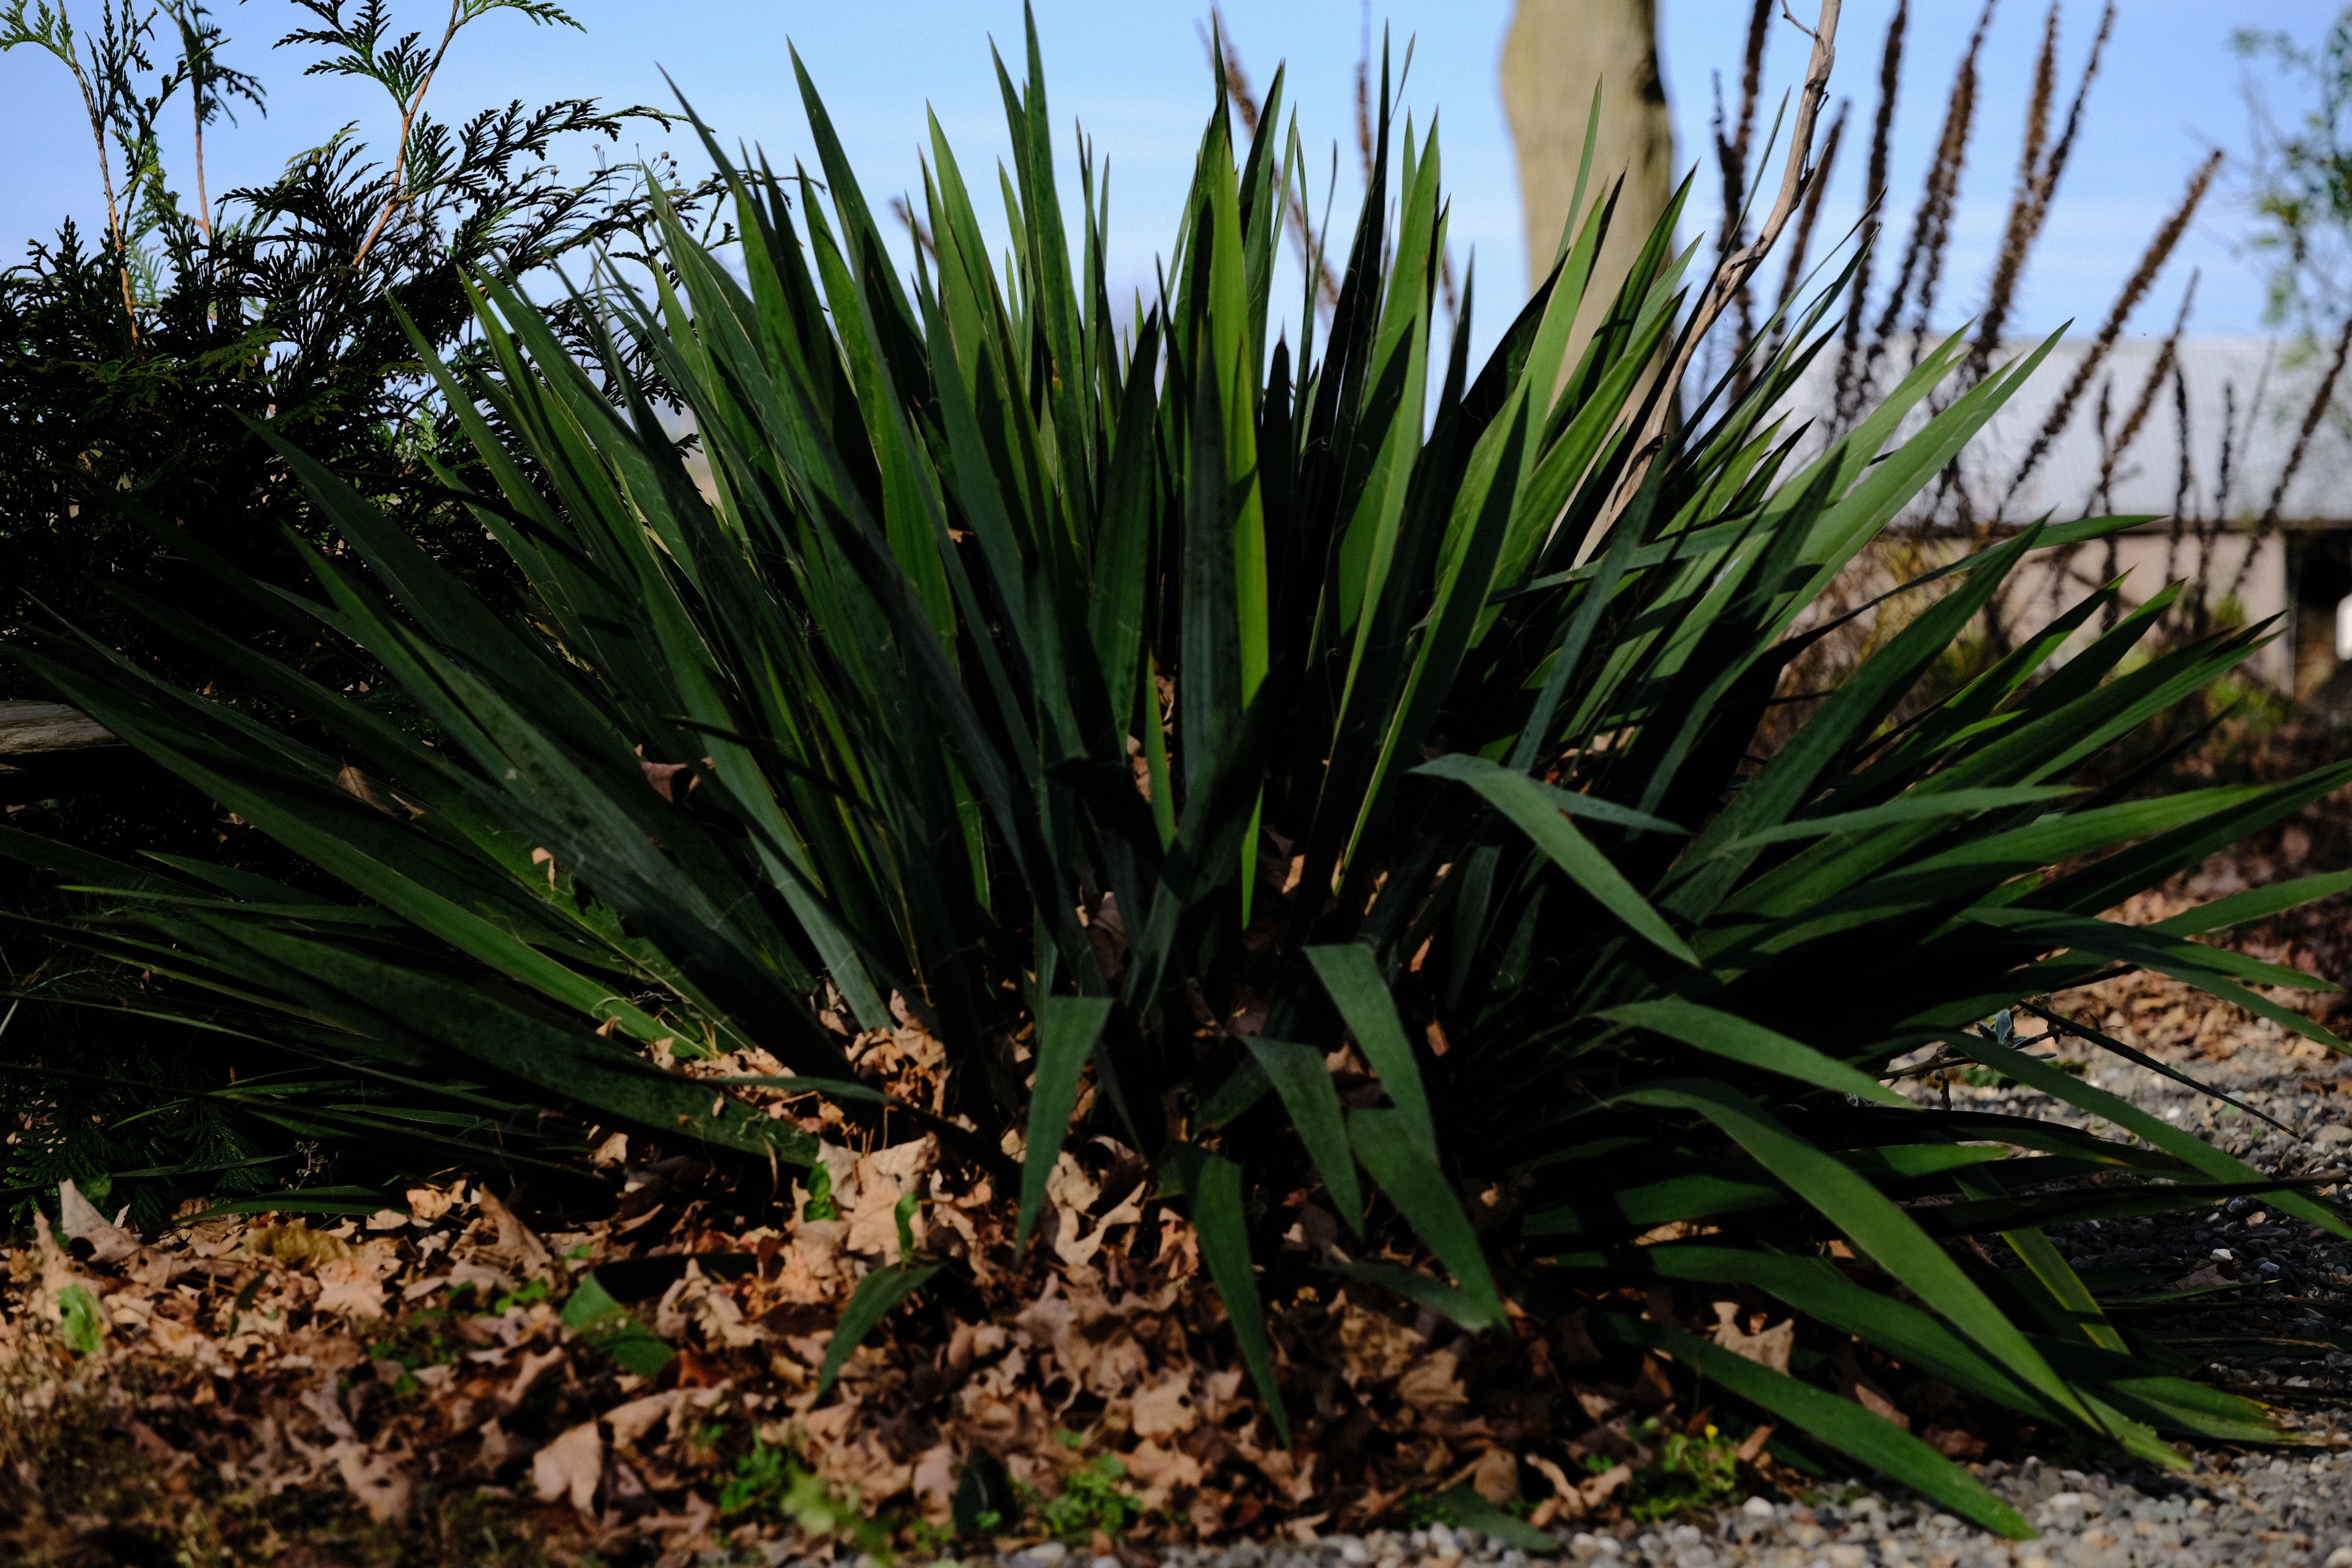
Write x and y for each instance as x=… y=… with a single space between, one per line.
x=2262 y=1509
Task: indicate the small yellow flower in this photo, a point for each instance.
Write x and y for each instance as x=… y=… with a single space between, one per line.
x=1710 y=1431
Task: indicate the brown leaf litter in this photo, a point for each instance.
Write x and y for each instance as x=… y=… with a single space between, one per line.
x=413 y=1368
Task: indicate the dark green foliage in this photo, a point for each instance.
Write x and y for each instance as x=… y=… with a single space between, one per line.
x=1425 y=740
x=132 y=366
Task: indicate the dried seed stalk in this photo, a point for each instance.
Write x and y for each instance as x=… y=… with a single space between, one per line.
x=2321 y=400
x=1732 y=155
x=2206 y=536
x=2136 y=287
x=2311 y=418
x=2183 y=482
x=1874 y=205
x=1931 y=227
x=2037 y=182
x=2167 y=357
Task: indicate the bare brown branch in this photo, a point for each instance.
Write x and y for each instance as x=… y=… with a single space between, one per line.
x=105 y=174
x=1815 y=184
x=1741 y=264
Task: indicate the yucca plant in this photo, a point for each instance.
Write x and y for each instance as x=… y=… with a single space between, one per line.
x=1100 y=678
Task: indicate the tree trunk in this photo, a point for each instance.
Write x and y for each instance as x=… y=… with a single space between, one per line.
x=1555 y=53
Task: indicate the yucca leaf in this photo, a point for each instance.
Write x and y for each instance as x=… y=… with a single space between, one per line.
x=2107 y=881
x=1214 y=1185
x=1067 y=1028
x=1456 y=1305
x=855 y=716
x=871 y=1302
x=2210 y=969
x=1861 y=701
x=1874 y=1224
x=1297 y=1074
x=502 y=1035
x=1910 y=808
x=1814 y=1287
x=2058 y=1277
x=1870 y=1440
x=1383 y=1141
x=1737 y=1039
x=606 y=1325
x=1352 y=978
x=1537 y=813
x=1633 y=1205
x=2141 y=1059
x=2171 y=1404
x=1475 y=1512
x=2255 y=904
x=2184 y=1146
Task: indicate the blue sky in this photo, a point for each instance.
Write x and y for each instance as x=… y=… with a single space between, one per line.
x=1134 y=75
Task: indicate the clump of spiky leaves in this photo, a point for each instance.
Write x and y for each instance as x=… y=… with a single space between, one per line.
x=1207 y=708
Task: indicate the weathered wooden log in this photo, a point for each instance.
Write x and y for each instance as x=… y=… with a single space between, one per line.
x=47 y=749
x=37 y=728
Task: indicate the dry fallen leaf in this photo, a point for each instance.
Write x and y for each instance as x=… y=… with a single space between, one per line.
x=426 y=1204
x=570 y=1466
x=1856 y=1385
x=295 y=1242
x=935 y=1482
x=1953 y=1443
x=1161 y=1471
x=632 y=1421
x=378 y=1483
x=1376 y=1348
x=1567 y=1499
x=1432 y=1387
x=1597 y=1490
x=349 y=1286
x=497 y=1448
x=1497 y=1477
x=517 y=1247
x=1161 y=1410
x=1769 y=1348
x=82 y=1221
